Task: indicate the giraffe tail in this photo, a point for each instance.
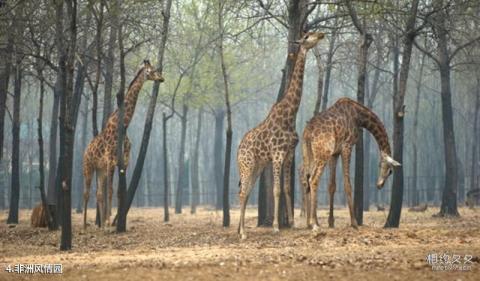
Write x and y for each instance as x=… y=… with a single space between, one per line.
x=307 y=161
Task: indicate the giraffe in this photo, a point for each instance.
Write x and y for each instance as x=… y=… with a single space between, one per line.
x=274 y=140
x=330 y=134
x=100 y=154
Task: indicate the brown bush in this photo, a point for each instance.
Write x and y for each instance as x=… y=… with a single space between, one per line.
x=39 y=216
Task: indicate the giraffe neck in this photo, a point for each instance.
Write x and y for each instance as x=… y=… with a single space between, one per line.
x=294 y=91
x=370 y=121
x=132 y=96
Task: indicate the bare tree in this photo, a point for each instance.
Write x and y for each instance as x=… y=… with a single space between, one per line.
x=17 y=94
x=114 y=14
x=122 y=177
x=393 y=219
x=365 y=42
x=6 y=49
x=195 y=168
x=443 y=57
x=66 y=46
x=137 y=172
x=228 y=144
x=414 y=191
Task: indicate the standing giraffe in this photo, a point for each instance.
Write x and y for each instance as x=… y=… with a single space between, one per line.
x=329 y=134
x=274 y=140
x=101 y=153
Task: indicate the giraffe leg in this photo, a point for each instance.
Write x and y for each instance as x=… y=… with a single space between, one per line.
x=277 y=170
x=332 y=188
x=287 y=175
x=101 y=178
x=313 y=184
x=247 y=180
x=87 y=174
x=110 y=193
x=305 y=194
x=303 y=190
x=246 y=186
x=346 y=152
x=307 y=205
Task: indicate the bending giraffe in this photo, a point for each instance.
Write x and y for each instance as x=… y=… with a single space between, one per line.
x=100 y=157
x=333 y=133
x=274 y=140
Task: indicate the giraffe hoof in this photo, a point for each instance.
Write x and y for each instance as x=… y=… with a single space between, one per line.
x=354 y=226
x=276 y=230
x=243 y=236
x=315 y=228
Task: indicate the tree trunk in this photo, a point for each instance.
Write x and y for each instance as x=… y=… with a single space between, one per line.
x=359 y=161
x=83 y=145
x=449 y=196
x=66 y=46
x=328 y=68
x=6 y=46
x=393 y=219
x=414 y=191
x=195 y=170
x=476 y=129
x=109 y=61
x=41 y=168
x=297 y=13
x=228 y=141
x=218 y=151
x=79 y=90
x=371 y=92
x=122 y=177
x=366 y=40
x=94 y=86
x=52 y=161
x=181 y=162
x=6 y=49
x=137 y=172
x=166 y=216
x=318 y=60
x=265 y=198
x=15 y=184
x=98 y=69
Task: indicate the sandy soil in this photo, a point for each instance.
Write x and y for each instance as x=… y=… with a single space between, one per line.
x=197 y=247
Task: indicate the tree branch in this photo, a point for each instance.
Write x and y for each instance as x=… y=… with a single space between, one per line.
x=266 y=9
x=429 y=54
x=463 y=46
x=353 y=15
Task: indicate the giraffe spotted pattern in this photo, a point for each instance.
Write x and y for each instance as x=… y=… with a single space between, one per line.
x=274 y=140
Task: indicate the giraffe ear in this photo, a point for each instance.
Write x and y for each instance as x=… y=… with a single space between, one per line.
x=392 y=161
x=146 y=62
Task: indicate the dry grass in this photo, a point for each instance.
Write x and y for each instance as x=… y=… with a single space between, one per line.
x=197 y=247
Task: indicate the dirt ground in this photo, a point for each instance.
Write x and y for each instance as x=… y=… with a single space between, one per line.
x=197 y=247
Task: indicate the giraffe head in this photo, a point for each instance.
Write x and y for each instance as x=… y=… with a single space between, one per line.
x=387 y=163
x=310 y=39
x=151 y=73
